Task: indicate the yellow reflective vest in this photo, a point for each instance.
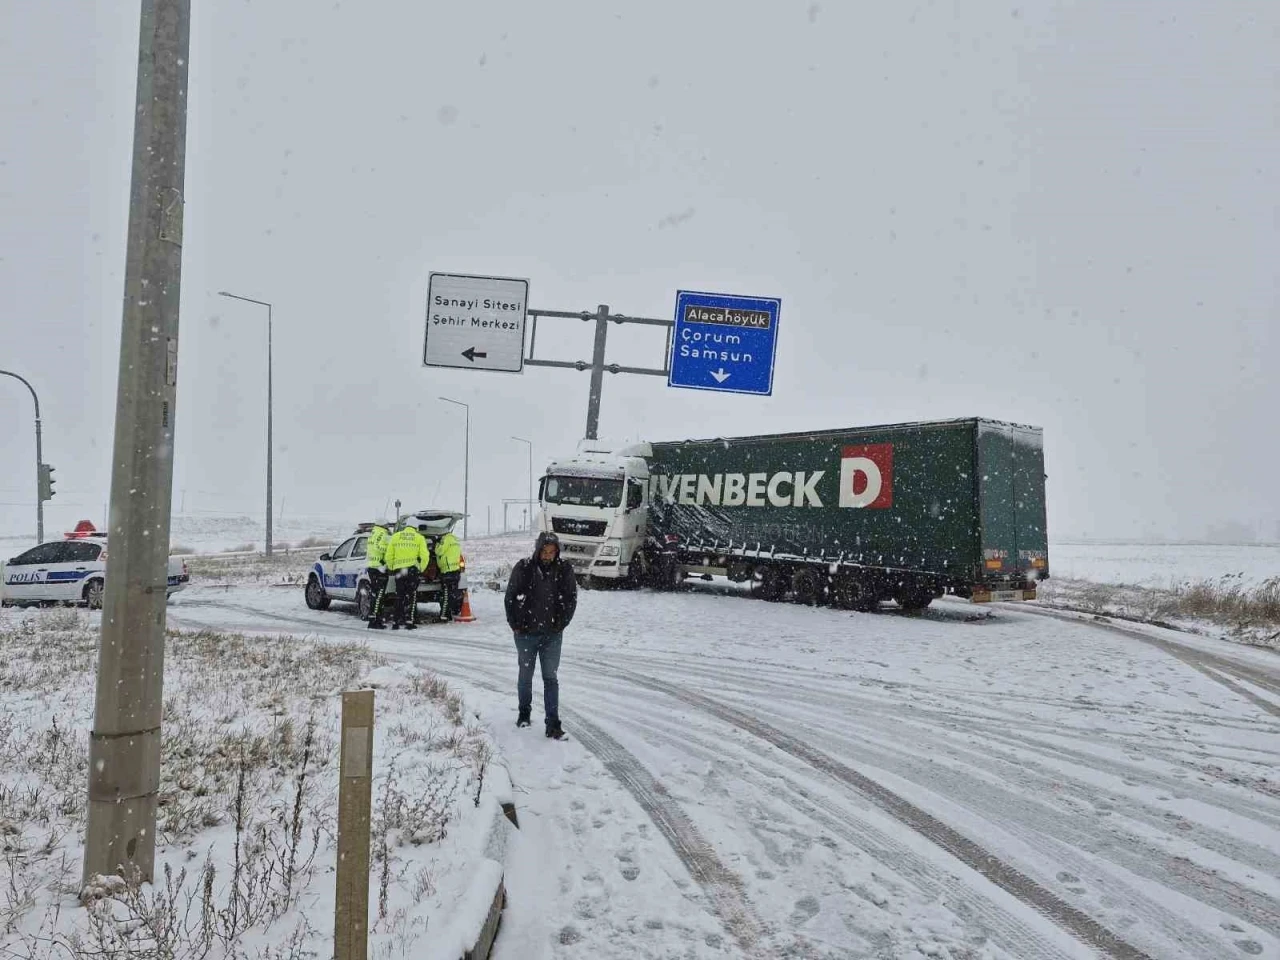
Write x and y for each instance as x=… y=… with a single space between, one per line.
x=449 y=554
x=407 y=548
x=376 y=548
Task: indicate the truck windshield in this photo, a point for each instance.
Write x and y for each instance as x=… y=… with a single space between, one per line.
x=584 y=491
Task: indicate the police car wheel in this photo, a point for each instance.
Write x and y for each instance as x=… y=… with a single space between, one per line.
x=93 y=594
x=316 y=599
x=364 y=601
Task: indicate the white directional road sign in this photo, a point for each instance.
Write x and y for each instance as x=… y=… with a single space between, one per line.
x=476 y=323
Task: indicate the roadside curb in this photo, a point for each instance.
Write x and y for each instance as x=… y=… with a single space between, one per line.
x=489 y=884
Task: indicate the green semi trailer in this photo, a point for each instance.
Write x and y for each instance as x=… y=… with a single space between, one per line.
x=907 y=512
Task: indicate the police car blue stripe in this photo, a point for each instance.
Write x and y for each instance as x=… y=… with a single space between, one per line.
x=66 y=576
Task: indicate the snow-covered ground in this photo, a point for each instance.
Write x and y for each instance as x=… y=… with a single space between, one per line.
x=746 y=779
x=248 y=797
x=1164 y=565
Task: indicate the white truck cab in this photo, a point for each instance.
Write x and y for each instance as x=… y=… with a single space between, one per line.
x=597 y=503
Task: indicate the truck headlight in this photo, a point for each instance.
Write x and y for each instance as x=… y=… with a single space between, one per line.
x=609 y=550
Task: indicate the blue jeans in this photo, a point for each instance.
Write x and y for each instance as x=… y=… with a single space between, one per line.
x=535 y=646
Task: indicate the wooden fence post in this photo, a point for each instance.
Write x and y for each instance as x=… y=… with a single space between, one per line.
x=355 y=794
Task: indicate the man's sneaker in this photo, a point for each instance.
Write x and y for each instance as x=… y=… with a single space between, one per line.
x=395 y=626
x=523 y=719
x=554 y=730
x=377 y=625
x=411 y=626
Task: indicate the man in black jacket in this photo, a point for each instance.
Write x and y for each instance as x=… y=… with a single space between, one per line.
x=542 y=595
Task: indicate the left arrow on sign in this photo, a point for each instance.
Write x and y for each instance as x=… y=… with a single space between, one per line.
x=471 y=353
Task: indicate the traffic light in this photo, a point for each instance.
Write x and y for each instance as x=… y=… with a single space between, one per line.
x=46 y=482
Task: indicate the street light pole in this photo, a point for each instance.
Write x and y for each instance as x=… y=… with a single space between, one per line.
x=39 y=456
x=466 y=469
x=530 y=444
x=270 y=401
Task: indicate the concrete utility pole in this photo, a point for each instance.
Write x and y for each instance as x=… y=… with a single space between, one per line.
x=39 y=458
x=270 y=402
x=466 y=468
x=124 y=746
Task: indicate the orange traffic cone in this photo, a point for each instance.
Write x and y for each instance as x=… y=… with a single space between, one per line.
x=465 y=615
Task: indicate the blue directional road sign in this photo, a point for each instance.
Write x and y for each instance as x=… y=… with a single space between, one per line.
x=724 y=342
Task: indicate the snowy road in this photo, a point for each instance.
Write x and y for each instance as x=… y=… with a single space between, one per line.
x=758 y=780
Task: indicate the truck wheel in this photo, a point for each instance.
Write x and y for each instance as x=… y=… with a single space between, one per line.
x=364 y=601
x=772 y=585
x=639 y=573
x=93 y=594
x=316 y=597
x=849 y=592
x=806 y=587
x=666 y=574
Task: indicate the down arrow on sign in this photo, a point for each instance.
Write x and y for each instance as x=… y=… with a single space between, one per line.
x=471 y=353
x=720 y=376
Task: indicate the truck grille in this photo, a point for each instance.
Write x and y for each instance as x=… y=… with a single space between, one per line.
x=578 y=528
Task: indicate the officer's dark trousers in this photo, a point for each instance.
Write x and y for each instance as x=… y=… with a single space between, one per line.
x=407 y=595
x=450 y=594
x=378 y=588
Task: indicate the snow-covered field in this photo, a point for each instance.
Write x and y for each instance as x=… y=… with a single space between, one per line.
x=248 y=799
x=746 y=779
x=1164 y=565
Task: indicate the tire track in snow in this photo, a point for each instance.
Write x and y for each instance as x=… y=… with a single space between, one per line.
x=1142 y=858
x=749 y=684
x=1211 y=665
x=1005 y=876
x=721 y=884
x=1063 y=843
x=1025 y=817
x=971 y=906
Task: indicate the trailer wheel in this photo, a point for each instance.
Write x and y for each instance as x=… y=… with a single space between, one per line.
x=806 y=587
x=772 y=585
x=849 y=592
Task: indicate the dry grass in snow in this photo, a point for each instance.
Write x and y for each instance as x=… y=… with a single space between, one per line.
x=248 y=799
x=284 y=566
x=1248 y=612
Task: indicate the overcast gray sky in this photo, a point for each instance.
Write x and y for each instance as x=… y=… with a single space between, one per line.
x=1057 y=213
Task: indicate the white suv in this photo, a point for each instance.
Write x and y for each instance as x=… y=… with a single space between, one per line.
x=73 y=570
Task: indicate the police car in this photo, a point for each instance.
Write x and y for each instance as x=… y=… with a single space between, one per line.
x=342 y=573
x=71 y=570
